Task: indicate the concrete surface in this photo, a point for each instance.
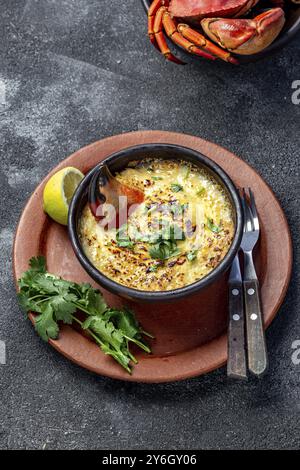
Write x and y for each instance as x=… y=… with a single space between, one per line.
x=72 y=72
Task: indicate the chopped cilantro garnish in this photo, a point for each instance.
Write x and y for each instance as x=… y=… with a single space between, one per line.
x=212 y=227
x=157 y=178
x=176 y=187
x=165 y=244
x=191 y=255
x=122 y=238
x=200 y=192
x=187 y=174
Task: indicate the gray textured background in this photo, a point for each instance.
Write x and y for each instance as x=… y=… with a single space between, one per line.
x=77 y=71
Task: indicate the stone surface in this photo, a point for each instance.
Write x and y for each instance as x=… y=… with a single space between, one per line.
x=71 y=73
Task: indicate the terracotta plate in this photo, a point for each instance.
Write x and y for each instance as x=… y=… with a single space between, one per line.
x=190 y=334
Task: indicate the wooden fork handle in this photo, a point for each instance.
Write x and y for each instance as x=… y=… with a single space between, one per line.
x=236 y=364
x=256 y=343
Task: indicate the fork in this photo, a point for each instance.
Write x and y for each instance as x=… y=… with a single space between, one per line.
x=256 y=343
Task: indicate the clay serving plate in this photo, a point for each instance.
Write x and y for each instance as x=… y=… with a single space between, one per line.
x=291 y=28
x=190 y=333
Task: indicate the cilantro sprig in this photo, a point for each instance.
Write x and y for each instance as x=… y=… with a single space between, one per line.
x=165 y=245
x=164 y=249
x=122 y=238
x=212 y=226
x=57 y=300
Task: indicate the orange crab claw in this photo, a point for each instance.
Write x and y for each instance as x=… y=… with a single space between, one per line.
x=160 y=38
x=182 y=41
x=244 y=36
x=199 y=40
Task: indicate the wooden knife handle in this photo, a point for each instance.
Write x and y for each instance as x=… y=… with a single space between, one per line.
x=256 y=343
x=236 y=364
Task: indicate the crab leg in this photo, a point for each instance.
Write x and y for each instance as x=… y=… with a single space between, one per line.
x=154 y=7
x=171 y=31
x=199 y=40
x=155 y=32
x=160 y=38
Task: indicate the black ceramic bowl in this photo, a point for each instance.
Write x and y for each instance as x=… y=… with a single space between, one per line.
x=119 y=161
x=291 y=28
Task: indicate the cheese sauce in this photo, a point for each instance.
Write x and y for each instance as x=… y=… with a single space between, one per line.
x=179 y=234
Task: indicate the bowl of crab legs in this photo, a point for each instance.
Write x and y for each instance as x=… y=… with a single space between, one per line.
x=235 y=31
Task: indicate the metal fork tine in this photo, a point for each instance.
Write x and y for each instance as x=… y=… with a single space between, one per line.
x=254 y=210
x=250 y=214
x=247 y=213
x=244 y=208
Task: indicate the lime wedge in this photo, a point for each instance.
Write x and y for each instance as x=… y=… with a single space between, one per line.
x=59 y=191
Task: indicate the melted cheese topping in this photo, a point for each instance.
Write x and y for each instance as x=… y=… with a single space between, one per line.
x=180 y=198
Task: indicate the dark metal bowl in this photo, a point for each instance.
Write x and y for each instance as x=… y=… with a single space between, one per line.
x=119 y=161
x=291 y=28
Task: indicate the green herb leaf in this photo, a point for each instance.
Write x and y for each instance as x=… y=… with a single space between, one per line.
x=122 y=238
x=94 y=301
x=212 y=227
x=157 y=251
x=105 y=330
x=38 y=264
x=191 y=255
x=163 y=250
x=201 y=192
x=125 y=244
x=178 y=209
x=157 y=178
x=28 y=304
x=45 y=324
x=153 y=268
x=164 y=245
x=188 y=171
x=63 y=307
x=125 y=321
x=175 y=187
